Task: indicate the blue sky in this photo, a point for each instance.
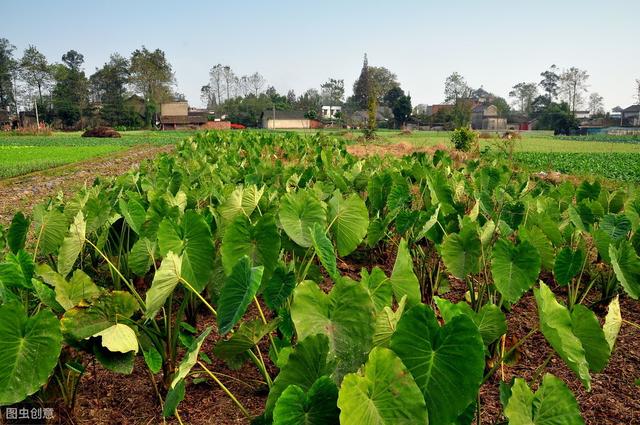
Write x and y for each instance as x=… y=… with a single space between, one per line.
x=298 y=45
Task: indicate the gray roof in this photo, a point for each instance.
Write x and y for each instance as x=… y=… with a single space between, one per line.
x=633 y=108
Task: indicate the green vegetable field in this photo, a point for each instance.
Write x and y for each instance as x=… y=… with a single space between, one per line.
x=305 y=285
x=24 y=154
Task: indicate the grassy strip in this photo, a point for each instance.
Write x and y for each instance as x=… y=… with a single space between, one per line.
x=18 y=160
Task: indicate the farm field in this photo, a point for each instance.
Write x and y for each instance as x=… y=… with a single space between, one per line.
x=24 y=154
x=266 y=277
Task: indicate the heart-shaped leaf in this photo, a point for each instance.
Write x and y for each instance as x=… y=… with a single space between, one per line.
x=29 y=350
x=515 y=268
x=316 y=407
x=461 y=252
x=345 y=316
x=403 y=280
x=626 y=265
x=349 y=220
x=552 y=404
x=382 y=393
x=238 y=291
x=446 y=362
x=298 y=213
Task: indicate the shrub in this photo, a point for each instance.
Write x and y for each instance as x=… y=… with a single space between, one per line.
x=463 y=139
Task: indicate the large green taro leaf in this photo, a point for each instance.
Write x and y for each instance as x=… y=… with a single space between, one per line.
x=403 y=279
x=626 y=265
x=568 y=265
x=324 y=250
x=345 y=316
x=349 y=220
x=552 y=404
x=237 y=293
x=164 y=282
x=243 y=200
x=446 y=362
x=556 y=326
x=586 y=327
x=260 y=242
x=298 y=213
x=515 y=268
x=51 y=227
x=461 y=252
x=72 y=245
x=234 y=350
x=107 y=310
x=316 y=407
x=490 y=320
x=308 y=362
x=382 y=393
x=379 y=287
x=29 y=350
x=17 y=232
x=192 y=241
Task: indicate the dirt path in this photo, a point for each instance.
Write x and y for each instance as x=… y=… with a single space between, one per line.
x=22 y=193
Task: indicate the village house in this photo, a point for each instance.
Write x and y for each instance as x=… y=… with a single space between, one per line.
x=177 y=115
x=631 y=116
x=329 y=112
x=272 y=119
x=485 y=117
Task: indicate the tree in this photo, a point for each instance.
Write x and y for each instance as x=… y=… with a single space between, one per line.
x=208 y=96
x=557 y=117
x=361 y=85
x=71 y=92
x=333 y=91
x=152 y=75
x=310 y=100
x=291 y=97
x=524 y=94
x=383 y=80
x=550 y=82
x=216 y=75
x=502 y=106
x=393 y=95
x=229 y=79
x=402 y=109
x=35 y=71
x=455 y=88
x=573 y=83
x=637 y=96
x=279 y=101
x=596 y=104
x=256 y=82
x=7 y=69
x=109 y=85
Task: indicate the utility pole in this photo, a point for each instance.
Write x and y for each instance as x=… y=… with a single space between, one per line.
x=273 y=126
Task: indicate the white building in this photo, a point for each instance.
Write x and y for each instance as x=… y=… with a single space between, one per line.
x=329 y=112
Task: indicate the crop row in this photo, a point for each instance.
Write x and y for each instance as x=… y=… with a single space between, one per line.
x=615 y=166
x=130 y=266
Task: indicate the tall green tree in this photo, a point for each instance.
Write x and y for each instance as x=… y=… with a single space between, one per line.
x=109 y=85
x=550 y=82
x=333 y=91
x=573 y=85
x=456 y=88
x=524 y=93
x=152 y=76
x=71 y=92
x=393 y=95
x=7 y=70
x=35 y=71
x=362 y=85
x=402 y=109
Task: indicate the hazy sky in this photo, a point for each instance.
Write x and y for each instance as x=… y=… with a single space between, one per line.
x=298 y=45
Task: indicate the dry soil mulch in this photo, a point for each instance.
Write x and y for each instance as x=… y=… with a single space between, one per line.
x=22 y=193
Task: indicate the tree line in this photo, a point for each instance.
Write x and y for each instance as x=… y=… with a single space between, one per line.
x=63 y=94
